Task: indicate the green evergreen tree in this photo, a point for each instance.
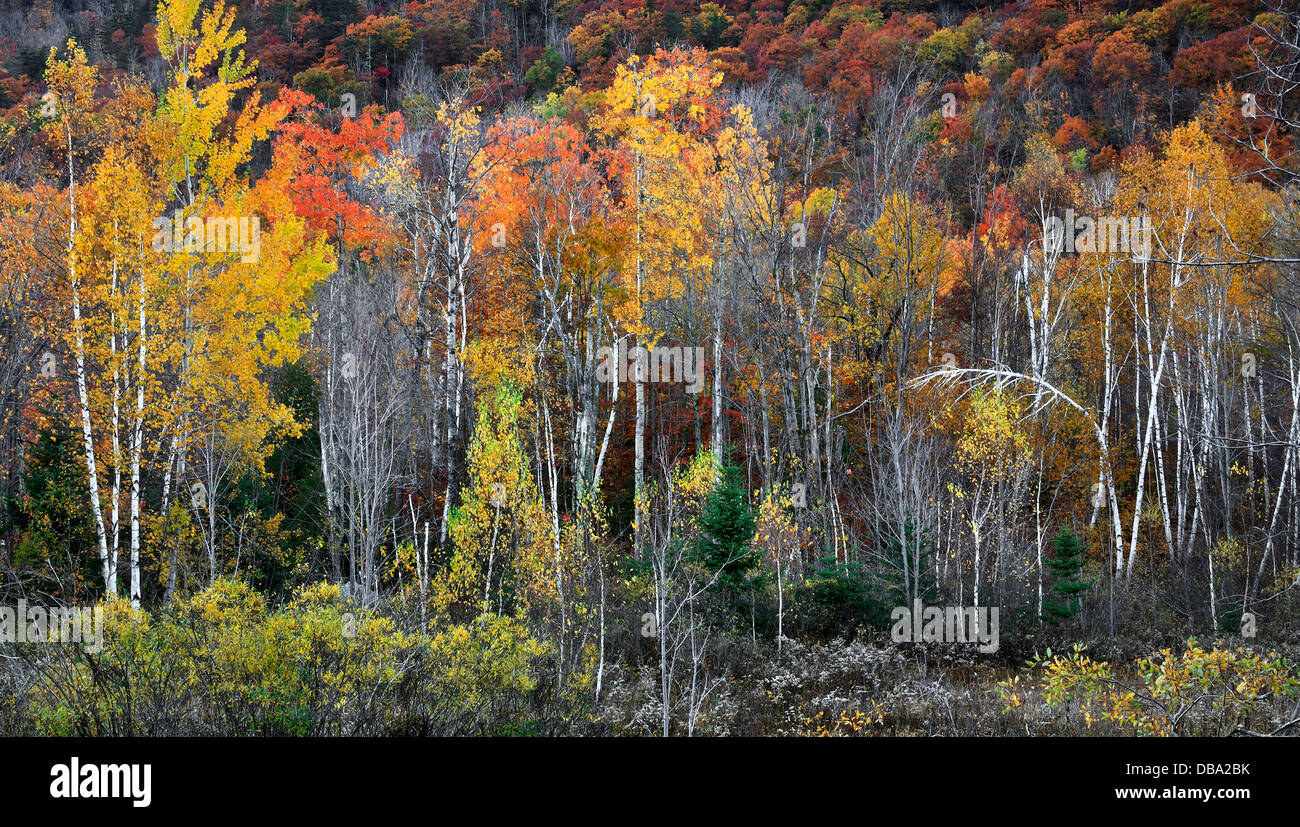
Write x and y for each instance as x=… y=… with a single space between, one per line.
x=299 y=492
x=541 y=76
x=836 y=601
x=727 y=529
x=1066 y=565
x=56 y=537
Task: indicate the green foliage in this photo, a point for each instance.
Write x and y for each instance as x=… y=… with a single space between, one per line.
x=945 y=49
x=553 y=107
x=1066 y=565
x=541 y=76
x=1215 y=691
x=836 y=601
x=298 y=492
x=727 y=529
x=223 y=662
x=55 y=530
x=329 y=85
x=908 y=554
x=710 y=24
x=503 y=545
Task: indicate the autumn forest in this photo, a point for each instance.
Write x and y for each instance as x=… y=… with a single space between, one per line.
x=649 y=367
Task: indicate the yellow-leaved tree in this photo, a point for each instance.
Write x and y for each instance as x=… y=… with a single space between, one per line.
x=185 y=281
x=659 y=118
x=238 y=308
x=502 y=538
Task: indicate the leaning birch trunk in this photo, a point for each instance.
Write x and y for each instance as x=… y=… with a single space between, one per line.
x=609 y=430
x=1292 y=436
x=137 y=443
x=638 y=473
x=108 y=565
x=717 y=386
x=115 y=428
x=1156 y=372
x=638 y=483
x=600 y=667
x=165 y=504
x=1107 y=392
